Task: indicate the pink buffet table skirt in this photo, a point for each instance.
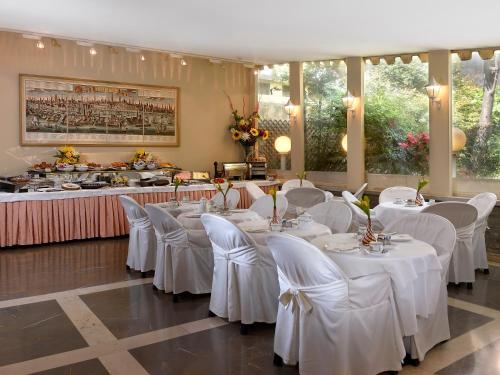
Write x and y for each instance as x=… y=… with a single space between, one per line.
x=37 y=218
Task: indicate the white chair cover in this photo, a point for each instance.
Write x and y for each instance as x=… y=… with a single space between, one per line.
x=463 y=217
x=359 y=193
x=142 y=240
x=390 y=194
x=295 y=183
x=440 y=233
x=245 y=283
x=330 y=324
x=334 y=214
x=484 y=203
x=358 y=216
x=254 y=191
x=264 y=206
x=304 y=197
x=233 y=198
x=184 y=259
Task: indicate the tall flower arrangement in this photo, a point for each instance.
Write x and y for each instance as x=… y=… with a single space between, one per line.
x=302 y=176
x=177 y=182
x=275 y=219
x=244 y=128
x=218 y=186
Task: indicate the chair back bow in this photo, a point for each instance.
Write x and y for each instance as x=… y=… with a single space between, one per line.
x=296 y=299
x=174 y=238
x=243 y=255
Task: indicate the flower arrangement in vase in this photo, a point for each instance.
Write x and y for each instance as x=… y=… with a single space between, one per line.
x=218 y=186
x=301 y=176
x=244 y=128
x=275 y=219
x=419 y=200
x=177 y=182
x=364 y=205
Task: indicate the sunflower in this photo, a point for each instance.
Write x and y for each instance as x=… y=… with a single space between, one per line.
x=254 y=132
x=266 y=135
x=236 y=135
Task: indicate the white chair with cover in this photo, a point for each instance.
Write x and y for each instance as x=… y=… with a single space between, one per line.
x=254 y=191
x=484 y=203
x=142 y=240
x=245 y=283
x=184 y=260
x=327 y=322
x=295 y=183
x=390 y=194
x=463 y=216
x=264 y=206
x=359 y=193
x=440 y=233
x=334 y=214
x=358 y=216
x=233 y=198
x=304 y=197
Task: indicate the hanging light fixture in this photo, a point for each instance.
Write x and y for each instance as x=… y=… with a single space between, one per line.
x=183 y=62
x=290 y=108
x=92 y=51
x=143 y=58
x=39 y=44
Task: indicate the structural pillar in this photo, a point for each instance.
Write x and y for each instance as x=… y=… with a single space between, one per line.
x=355 y=124
x=297 y=120
x=440 y=159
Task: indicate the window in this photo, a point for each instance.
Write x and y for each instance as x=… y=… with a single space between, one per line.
x=325 y=84
x=397 y=118
x=273 y=94
x=476 y=111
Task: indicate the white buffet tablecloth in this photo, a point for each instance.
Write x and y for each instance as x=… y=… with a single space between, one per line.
x=413 y=266
x=41 y=196
x=388 y=212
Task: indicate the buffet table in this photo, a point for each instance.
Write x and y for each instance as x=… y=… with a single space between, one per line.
x=41 y=217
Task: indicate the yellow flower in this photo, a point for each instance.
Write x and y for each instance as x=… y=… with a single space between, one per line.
x=242 y=122
x=254 y=132
x=266 y=135
x=236 y=135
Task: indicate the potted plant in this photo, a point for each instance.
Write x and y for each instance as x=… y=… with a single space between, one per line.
x=364 y=205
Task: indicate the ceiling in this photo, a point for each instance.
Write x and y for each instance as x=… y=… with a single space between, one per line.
x=264 y=31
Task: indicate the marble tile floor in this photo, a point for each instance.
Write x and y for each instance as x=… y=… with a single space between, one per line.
x=73 y=309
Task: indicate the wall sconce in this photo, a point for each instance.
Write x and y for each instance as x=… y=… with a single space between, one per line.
x=283 y=145
x=349 y=102
x=433 y=89
x=290 y=108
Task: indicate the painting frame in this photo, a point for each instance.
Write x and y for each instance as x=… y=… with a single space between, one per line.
x=163 y=118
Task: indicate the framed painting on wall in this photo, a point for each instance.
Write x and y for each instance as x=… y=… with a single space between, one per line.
x=56 y=111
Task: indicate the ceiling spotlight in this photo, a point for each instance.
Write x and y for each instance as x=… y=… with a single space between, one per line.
x=39 y=44
x=183 y=62
x=92 y=51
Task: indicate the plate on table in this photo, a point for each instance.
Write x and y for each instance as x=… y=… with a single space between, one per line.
x=341 y=248
x=401 y=237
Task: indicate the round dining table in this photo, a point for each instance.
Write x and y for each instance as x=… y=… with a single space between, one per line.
x=183 y=207
x=413 y=266
x=388 y=212
x=192 y=219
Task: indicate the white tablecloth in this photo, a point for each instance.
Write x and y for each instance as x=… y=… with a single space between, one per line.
x=414 y=269
x=388 y=212
x=312 y=232
x=190 y=207
x=237 y=217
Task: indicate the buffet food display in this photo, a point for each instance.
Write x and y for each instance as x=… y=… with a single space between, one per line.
x=71 y=199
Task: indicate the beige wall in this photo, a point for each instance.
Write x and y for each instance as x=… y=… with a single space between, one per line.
x=204 y=111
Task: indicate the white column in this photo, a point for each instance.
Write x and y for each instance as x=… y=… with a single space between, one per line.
x=440 y=161
x=355 y=124
x=297 y=123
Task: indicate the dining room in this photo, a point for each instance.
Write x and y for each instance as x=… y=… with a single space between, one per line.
x=266 y=188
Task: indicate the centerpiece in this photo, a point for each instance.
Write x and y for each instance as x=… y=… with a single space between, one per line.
x=275 y=219
x=67 y=157
x=177 y=182
x=244 y=129
x=419 y=200
x=302 y=176
x=364 y=205
x=218 y=186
